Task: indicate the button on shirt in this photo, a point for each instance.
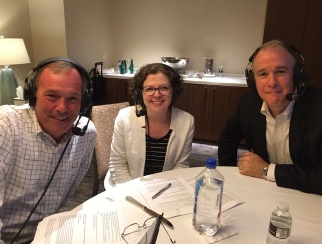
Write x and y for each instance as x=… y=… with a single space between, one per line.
x=277 y=137
x=28 y=157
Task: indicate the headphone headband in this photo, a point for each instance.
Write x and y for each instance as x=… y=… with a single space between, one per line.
x=47 y=61
x=30 y=84
x=299 y=75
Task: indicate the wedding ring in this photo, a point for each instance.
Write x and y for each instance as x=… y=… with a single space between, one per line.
x=240 y=166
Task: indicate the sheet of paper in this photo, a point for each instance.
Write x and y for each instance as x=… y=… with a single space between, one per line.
x=179 y=198
x=75 y=228
x=176 y=200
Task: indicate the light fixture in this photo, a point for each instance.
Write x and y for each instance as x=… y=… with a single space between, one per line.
x=12 y=51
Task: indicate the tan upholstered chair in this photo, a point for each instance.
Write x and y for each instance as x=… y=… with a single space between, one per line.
x=103 y=116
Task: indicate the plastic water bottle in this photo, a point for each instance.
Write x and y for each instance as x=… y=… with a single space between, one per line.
x=279 y=229
x=208 y=199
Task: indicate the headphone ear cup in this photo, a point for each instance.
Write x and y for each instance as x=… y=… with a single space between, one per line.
x=30 y=88
x=139 y=99
x=87 y=100
x=298 y=75
x=250 y=78
x=249 y=74
x=32 y=96
x=84 y=102
x=26 y=90
x=29 y=92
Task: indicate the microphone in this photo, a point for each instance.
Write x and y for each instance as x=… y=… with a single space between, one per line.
x=294 y=96
x=138 y=113
x=80 y=131
x=86 y=112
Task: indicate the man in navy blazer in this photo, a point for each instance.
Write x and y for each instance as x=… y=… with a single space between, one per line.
x=280 y=120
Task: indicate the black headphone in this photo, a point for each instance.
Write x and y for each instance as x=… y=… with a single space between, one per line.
x=299 y=75
x=29 y=93
x=138 y=98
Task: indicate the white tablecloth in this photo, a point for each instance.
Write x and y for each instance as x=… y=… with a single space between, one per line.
x=249 y=219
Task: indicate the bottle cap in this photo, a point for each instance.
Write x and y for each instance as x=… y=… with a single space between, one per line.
x=211 y=163
x=283 y=206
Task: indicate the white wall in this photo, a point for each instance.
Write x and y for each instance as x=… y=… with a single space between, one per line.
x=42 y=26
x=47 y=28
x=88 y=31
x=15 y=23
x=226 y=30
x=145 y=30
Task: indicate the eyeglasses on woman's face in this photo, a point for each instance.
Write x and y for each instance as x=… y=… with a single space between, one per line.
x=163 y=90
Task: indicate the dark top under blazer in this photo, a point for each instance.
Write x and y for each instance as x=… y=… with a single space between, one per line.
x=305 y=139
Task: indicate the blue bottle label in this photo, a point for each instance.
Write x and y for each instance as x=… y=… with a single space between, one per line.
x=199 y=183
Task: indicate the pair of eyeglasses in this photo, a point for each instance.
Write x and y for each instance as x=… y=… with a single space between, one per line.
x=132 y=232
x=163 y=90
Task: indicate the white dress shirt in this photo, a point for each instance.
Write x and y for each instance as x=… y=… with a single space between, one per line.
x=277 y=137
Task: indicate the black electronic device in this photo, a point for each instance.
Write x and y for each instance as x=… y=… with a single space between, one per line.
x=80 y=131
x=139 y=99
x=299 y=74
x=87 y=101
x=30 y=86
x=150 y=237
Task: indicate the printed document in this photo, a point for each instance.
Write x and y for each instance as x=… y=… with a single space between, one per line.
x=75 y=228
x=179 y=198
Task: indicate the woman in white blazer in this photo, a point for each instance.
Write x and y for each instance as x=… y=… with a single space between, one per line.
x=152 y=136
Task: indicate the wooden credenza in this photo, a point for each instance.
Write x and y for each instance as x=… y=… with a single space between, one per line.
x=211 y=105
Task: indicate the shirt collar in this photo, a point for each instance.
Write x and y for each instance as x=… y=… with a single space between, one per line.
x=287 y=111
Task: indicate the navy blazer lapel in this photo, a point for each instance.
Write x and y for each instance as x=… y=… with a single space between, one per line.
x=254 y=125
x=260 y=143
x=297 y=128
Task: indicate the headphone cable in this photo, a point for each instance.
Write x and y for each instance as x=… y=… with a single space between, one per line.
x=43 y=194
x=149 y=162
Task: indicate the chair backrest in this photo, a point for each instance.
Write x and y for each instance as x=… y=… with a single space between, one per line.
x=103 y=117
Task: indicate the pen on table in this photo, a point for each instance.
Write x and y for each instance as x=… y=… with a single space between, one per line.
x=161 y=191
x=147 y=210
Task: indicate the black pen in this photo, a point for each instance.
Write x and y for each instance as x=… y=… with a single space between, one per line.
x=161 y=191
x=147 y=210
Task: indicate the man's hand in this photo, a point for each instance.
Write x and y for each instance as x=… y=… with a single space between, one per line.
x=251 y=164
